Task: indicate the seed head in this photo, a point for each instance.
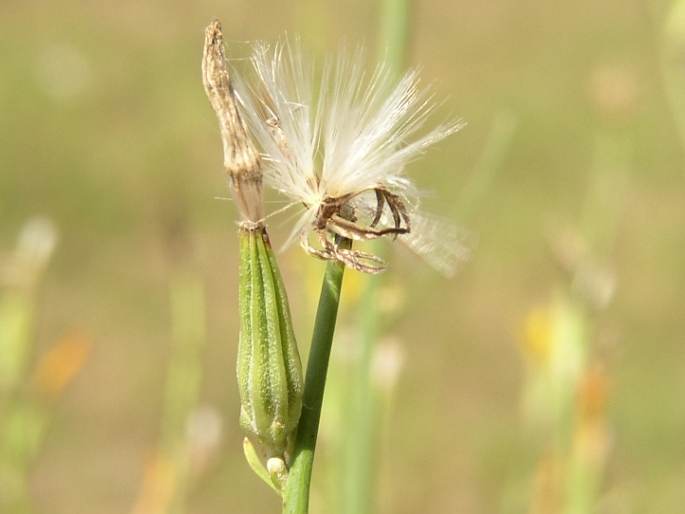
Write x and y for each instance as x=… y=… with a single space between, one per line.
x=340 y=148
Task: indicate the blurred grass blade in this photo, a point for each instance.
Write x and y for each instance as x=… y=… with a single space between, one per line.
x=672 y=65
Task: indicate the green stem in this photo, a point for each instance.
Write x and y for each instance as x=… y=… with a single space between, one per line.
x=296 y=495
x=363 y=433
x=394 y=33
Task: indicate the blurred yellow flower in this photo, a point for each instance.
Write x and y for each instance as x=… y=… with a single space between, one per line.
x=61 y=364
x=538 y=335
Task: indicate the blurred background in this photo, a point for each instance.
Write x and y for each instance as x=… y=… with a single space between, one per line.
x=547 y=376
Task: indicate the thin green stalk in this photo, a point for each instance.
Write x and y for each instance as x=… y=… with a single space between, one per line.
x=361 y=439
x=673 y=76
x=488 y=163
x=184 y=380
x=394 y=32
x=296 y=496
x=360 y=446
x=358 y=453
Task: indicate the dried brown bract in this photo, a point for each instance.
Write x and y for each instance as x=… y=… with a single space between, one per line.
x=241 y=158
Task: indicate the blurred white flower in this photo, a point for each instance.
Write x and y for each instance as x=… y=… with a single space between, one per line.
x=340 y=149
x=63 y=70
x=37 y=241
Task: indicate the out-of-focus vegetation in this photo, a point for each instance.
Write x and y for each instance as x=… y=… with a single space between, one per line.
x=106 y=131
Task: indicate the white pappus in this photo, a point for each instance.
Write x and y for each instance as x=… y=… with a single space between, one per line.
x=340 y=148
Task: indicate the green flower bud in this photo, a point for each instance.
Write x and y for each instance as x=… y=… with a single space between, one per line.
x=269 y=369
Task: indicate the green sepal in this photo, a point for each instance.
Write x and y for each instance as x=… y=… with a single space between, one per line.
x=256 y=465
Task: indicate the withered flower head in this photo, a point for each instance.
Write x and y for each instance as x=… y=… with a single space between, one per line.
x=241 y=158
